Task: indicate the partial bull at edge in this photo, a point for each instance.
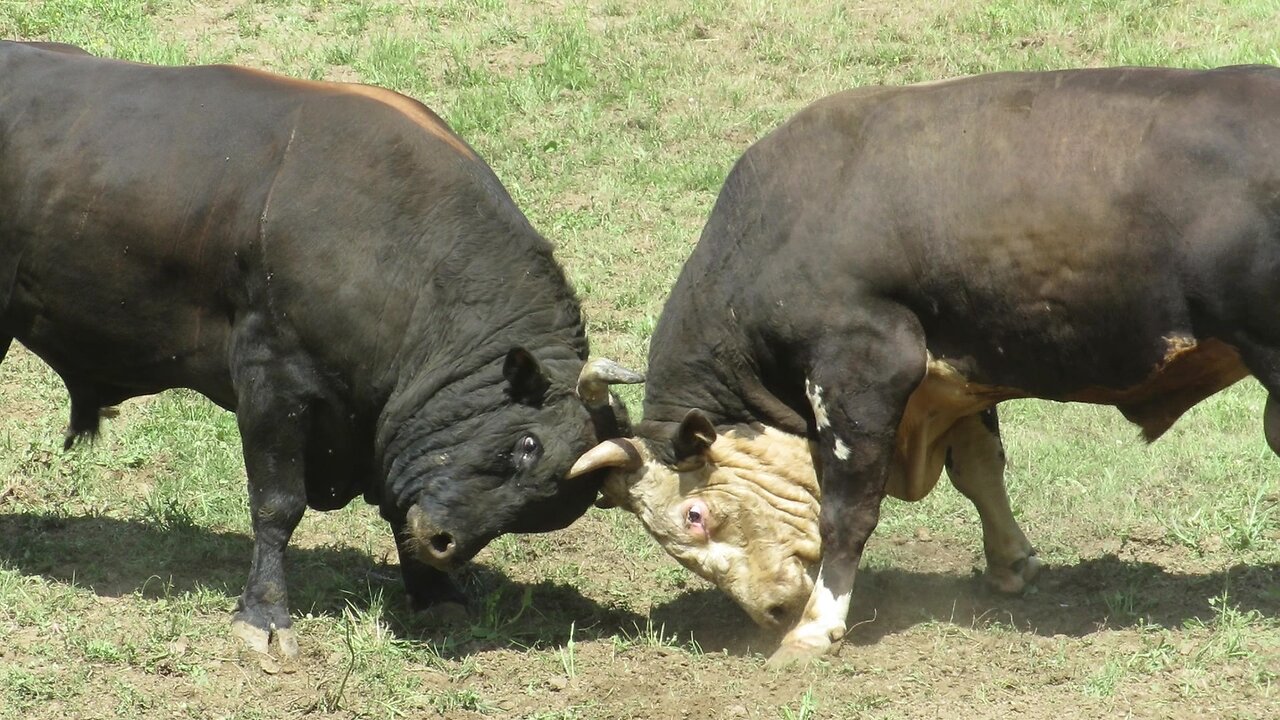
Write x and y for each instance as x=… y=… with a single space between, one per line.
x=331 y=263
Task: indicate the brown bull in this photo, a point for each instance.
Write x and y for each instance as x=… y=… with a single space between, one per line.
x=890 y=264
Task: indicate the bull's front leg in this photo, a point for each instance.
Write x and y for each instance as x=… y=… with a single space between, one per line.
x=273 y=458
x=858 y=388
x=427 y=587
x=273 y=420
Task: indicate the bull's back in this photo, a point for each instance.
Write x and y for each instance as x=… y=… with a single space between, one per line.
x=1056 y=230
x=127 y=196
x=145 y=210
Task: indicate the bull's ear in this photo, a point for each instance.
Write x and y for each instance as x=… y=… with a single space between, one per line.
x=527 y=382
x=692 y=441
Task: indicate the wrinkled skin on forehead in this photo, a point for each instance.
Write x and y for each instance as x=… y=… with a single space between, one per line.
x=746 y=519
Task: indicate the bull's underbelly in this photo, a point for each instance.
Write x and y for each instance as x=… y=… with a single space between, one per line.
x=118 y=356
x=1189 y=372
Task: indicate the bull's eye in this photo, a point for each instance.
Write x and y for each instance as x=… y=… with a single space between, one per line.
x=527 y=449
x=696 y=516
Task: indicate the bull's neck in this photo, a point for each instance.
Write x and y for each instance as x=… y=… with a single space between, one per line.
x=726 y=387
x=480 y=301
x=442 y=384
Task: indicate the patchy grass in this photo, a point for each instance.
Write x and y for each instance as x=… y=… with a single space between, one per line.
x=613 y=124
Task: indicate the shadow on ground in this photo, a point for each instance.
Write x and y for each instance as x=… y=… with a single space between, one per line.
x=1105 y=592
x=116 y=558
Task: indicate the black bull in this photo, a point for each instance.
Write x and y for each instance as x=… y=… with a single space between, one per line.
x=892 y=262
x=330 y=262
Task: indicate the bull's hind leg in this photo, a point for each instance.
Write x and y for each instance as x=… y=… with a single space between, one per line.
x=1271 y=422
x=975 y=464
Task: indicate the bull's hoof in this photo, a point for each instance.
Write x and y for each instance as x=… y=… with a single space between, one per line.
x=1016 y=578
x=803 y=645
x=428 y=588
x=446 y=614
x=278 y=642
x=795 y=654
x=423 y=598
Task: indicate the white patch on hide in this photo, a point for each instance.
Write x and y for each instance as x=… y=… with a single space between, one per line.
x=842 y=450
x=815 y=400
x=825 y=615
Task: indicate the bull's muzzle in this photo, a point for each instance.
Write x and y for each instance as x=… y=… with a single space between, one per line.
x=432 y=545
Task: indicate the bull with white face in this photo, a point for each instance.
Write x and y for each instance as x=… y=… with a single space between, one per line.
x=740 y=508
x=889 y=265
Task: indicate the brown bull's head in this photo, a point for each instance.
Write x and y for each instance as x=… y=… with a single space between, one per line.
x=739 y=508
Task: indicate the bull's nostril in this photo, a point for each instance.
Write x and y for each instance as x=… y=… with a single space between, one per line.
x=778 y=613
x=442 y=545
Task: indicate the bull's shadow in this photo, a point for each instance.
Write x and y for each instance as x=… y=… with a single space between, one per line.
x=115 y=558
x=1074 y=600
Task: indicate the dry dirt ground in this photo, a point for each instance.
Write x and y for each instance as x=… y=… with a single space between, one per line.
x=590 y=623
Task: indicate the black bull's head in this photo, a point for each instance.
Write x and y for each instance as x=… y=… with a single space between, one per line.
x=500 y=465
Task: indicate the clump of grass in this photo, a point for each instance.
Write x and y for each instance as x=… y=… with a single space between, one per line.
x=460 y=699
x=568 y=656
x=807 y=708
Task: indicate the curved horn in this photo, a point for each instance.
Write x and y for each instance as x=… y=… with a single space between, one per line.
x=597 y=376
x=610 y=453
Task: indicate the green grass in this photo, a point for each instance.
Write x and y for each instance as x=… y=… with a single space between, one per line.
x=613 y=124
x=806 y=708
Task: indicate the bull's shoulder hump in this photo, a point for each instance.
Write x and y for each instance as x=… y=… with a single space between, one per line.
x=414 y=111
x=42 y=47
x=865 y=94
x=839 y=108
x=417 y=112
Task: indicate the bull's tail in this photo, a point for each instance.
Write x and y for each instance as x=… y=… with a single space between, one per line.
x=85 y=413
